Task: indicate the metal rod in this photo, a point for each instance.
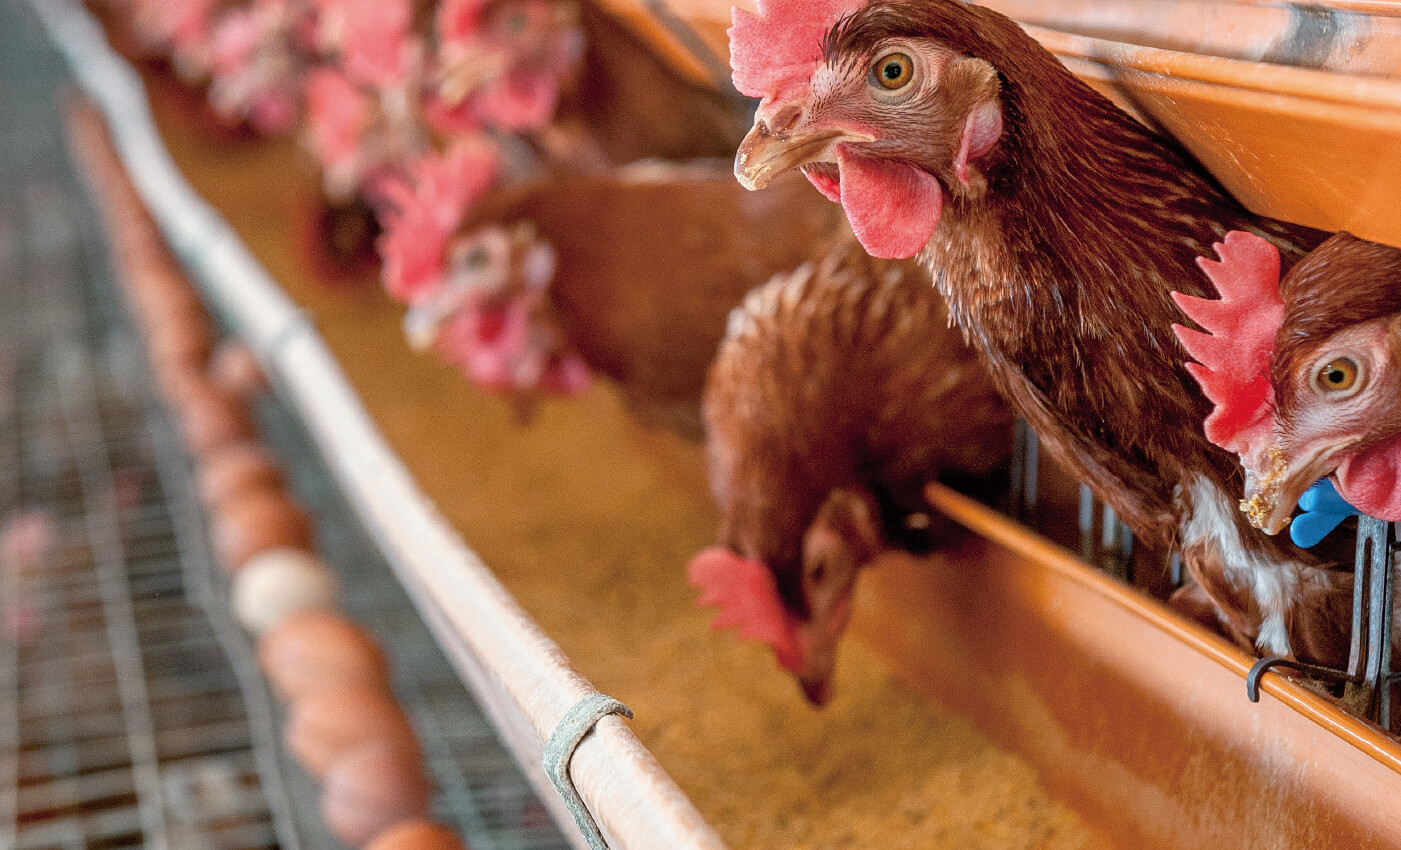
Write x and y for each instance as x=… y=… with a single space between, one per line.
x=1087 y=524
x=1031 y=469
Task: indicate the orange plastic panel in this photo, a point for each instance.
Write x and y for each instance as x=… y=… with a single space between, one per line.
x=1137 y=717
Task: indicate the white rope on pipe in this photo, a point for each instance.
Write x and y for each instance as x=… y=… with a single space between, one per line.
x=523 y=679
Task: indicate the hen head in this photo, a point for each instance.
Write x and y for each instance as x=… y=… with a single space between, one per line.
x=490 y=316
x=424 y=211
x=338 y=117
x=803 y=624
x=503 y=64
x=1323 y=401
x=372 y=40
x=886 y=107
x=256 y=71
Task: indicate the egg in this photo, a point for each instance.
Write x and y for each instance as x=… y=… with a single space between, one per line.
x=372 y=788
x=317 y=650
x=325 y=724
x=255 y=522
x=182 y=339
x=235 y=368
x=237 y=468
x=210 y=418
x=277 y=583
x=159 y=293
x=417 y=835
x=178 y=383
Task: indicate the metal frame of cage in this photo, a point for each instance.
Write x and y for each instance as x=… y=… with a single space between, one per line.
x=106 y=735
x=1108 y=544
x=133 y=712
x=523 y=681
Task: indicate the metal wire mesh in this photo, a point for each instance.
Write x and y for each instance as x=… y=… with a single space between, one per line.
x=131 y=711
x=484 y=793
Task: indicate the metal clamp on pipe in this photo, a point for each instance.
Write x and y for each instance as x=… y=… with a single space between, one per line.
x=559 y=749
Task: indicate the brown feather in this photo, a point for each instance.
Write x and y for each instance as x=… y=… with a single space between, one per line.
x=846 y=375
x=1061 y=272
x=652 y=259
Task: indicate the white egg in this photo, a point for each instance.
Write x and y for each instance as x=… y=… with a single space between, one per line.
x=277 y=583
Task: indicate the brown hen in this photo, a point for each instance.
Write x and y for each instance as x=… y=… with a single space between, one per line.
x=839 y=393
x=1056 y=226
x=640 y=269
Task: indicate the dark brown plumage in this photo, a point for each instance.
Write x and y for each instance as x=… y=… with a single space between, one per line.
x=1065 y=226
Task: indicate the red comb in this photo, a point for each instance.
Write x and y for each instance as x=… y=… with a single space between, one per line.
x=777 y=49
x=375 y=47
x=337 y=116
x=458 y=20
x=1233 y=360
x=747 y=596
x=426 y=211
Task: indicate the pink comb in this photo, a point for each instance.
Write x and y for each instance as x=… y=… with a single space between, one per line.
x=375 y=47
x=1233 y=360
x=458 y=20
x=337 y=116
x=775 y=51
x=519 y=103
x=747 y=596
x=236 y=38
x=427 y=210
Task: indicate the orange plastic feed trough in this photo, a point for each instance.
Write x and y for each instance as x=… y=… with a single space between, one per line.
x=1134 y=716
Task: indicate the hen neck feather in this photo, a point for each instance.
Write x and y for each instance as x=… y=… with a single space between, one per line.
x=1089 y=222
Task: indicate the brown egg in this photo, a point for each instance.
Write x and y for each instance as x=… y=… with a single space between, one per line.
x=278 y=583
x=159 y=309
x=320 y=650
x=255 y=522
x=158 y=292
x=234 y=469
x=210 y=418
x=324 y=725
x=372 y=788
x=178 y=382
x=417 y=835
x=235 y=368
x=182 y=338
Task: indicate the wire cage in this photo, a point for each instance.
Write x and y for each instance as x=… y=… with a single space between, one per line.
x=524 y=683
x=1103 y=541
x=132 y=712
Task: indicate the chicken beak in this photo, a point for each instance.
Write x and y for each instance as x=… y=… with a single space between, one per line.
x=775 y=146
x=818 y=689
x=422 y=322
x=471 y=72
x=1279 y=483
x=817 y=664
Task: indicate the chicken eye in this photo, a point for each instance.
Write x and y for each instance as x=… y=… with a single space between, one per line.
x=477 y=258
x=1337 y=375
x=893 y=71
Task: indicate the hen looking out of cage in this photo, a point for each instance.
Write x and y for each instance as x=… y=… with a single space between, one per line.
x=839 y=393
x=1305 y=372
x=1056 y=227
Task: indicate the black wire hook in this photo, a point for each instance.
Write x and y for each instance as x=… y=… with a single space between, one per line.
x=1264 y=665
